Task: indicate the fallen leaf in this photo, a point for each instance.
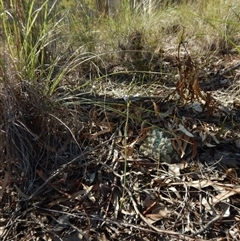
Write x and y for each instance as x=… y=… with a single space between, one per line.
x=185 y=131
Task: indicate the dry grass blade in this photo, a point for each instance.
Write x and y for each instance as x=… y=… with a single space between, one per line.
x=159 y=231
x=63 y=167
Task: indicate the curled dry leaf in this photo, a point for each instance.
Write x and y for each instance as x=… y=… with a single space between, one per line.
x=180 y=144
x=158 y=213
x=185 y=131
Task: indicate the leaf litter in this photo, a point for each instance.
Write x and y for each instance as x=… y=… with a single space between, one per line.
x=83 y=171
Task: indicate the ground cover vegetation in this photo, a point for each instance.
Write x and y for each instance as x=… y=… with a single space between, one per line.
x=119 y=125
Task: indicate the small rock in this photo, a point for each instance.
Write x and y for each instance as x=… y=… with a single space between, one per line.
x=158 y=146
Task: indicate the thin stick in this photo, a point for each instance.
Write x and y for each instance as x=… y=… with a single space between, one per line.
x=64 y=166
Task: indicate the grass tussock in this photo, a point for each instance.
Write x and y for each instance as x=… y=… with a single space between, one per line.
x=84 y=91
